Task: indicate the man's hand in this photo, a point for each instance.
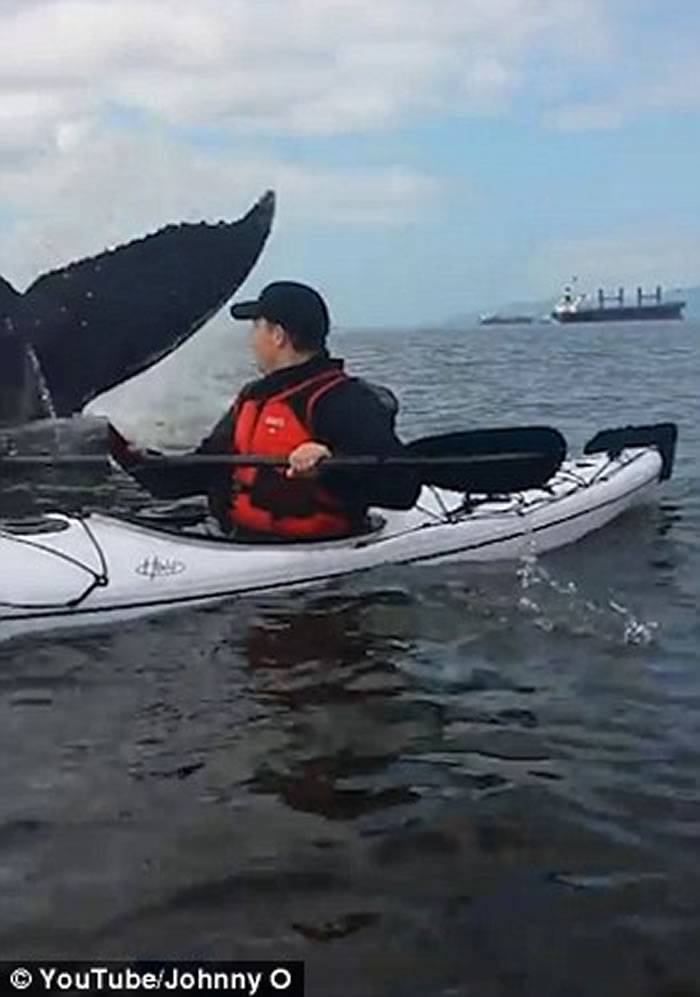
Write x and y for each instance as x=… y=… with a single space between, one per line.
x=304 y=461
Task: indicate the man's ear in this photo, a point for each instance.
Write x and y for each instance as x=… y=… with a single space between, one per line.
x=281 y=335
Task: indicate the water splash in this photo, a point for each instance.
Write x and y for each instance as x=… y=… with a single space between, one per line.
x=48 y=409
x=580 y=613
x=47 y=405
x=638 y=632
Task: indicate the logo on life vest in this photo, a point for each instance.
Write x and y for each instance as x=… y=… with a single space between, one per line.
x=157 y=567
x=275 y=422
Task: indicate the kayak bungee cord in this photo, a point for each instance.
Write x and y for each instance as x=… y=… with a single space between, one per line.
x=612 y=461
x=579 y=479
x=441 y=517
x=99 y=579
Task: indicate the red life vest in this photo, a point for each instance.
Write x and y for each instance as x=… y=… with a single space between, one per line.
x=263 y=499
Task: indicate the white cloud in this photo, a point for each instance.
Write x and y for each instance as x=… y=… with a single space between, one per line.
x=250 y=69
x=623 y=259
x=90 y=90
x=678 y=89
x=663 y=88
x=297 y=65
x=586 y=117
x=648 y=65
x=103 y=189
x=326 y=66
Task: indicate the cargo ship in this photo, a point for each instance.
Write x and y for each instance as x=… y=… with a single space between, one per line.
x=574 y=307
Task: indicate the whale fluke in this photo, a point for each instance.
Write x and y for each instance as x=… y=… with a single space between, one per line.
x=99 y=321
x=8 y=299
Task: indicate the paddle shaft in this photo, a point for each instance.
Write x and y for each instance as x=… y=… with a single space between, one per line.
x=258 y=460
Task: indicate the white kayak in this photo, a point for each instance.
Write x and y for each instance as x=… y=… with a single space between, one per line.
x=97 y=569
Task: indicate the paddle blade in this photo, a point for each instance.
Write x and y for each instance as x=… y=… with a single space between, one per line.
x=493 y=477
x=662 y=435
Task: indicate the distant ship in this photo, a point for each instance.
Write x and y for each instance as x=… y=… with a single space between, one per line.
x=495 y=319
x=612 y=308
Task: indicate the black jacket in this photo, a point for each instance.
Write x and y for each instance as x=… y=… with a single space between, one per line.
x=352 y=419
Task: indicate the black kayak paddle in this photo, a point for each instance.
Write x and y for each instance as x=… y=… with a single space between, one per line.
x=485 y=461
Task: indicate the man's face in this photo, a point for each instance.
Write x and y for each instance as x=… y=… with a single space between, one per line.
x=267 y=341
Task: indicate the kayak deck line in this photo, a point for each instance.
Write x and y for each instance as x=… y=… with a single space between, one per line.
x=139 y=569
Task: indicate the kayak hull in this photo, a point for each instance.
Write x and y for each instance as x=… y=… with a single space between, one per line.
x=101 y=569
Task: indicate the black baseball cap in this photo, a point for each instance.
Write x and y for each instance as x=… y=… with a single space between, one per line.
x=297 y=307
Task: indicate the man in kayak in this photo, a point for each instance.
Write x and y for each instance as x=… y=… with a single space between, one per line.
x=306 y=408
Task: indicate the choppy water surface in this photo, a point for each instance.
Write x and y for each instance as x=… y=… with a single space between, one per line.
x=444 y=781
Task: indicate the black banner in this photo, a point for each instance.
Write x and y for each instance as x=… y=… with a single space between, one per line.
x=243 y=979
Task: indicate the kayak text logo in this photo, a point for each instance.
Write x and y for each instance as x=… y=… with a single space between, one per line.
x=157 y=567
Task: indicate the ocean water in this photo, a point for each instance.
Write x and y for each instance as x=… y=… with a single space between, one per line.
x=442 y=781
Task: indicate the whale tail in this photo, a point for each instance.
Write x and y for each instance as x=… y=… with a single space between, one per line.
x=98 y=322
x=8 y=299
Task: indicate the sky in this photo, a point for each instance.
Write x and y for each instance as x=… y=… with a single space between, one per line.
x=431 y=158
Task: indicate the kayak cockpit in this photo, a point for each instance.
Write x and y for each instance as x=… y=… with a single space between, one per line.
x=203 y=527
x=33 y=526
